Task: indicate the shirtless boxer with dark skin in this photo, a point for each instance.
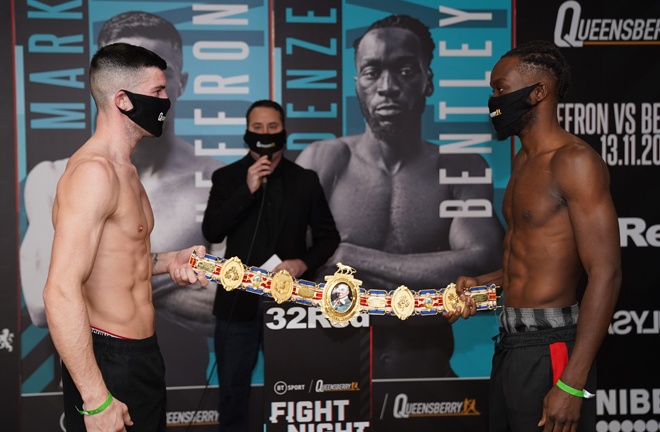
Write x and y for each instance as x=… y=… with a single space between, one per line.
x=561 y=227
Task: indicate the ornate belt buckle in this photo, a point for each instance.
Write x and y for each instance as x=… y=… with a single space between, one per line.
x=340 y=302
x=281 y=286
x=450 y=298
x=403 y=302
x=231 y=275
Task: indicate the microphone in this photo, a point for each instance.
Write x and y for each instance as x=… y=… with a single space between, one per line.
x=264 y=179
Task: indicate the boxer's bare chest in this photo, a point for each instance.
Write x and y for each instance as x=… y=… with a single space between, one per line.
x=394 y=211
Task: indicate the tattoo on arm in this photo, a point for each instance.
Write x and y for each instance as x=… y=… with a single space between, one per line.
x=154 y=260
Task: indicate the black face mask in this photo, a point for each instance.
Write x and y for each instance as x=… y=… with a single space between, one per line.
x=265 y=144
x=148 y=112
x=506 y=109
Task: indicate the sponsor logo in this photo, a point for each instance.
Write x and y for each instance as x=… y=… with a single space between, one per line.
x=632 y=403
x=202 y=417
x=161 y=117
x=634 y=231
x=6 y=340
x=322 y=387
x=635 y=322
x=403 y=408
x=574 y=31
x=281 y=387
x=303 y=318
x=634 y=409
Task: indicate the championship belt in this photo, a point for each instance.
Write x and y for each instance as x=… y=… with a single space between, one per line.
x=341 y=298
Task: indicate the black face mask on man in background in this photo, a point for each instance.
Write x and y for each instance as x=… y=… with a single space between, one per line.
x=508 y=108
x=148 y=112
x=265 y=144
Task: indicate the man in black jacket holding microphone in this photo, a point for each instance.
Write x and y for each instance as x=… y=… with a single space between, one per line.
x=263 y=205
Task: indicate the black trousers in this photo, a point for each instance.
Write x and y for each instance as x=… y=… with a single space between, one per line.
x=521 y=376
x=134 y=372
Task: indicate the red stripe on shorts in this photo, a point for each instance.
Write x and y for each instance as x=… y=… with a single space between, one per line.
x=559 y=358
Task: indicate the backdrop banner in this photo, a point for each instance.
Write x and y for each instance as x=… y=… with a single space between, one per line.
x=10 y=325
x=317 y=376
x=379 y=373
x=222 y=57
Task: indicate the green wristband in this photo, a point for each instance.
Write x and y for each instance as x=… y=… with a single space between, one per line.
x=103 y=406
x=572 y=391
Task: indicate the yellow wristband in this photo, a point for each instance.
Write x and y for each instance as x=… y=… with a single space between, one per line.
x=103 y=406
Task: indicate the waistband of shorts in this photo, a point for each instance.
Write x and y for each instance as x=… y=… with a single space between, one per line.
x=125 y=345
x=539 y=337
x=518 y=320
